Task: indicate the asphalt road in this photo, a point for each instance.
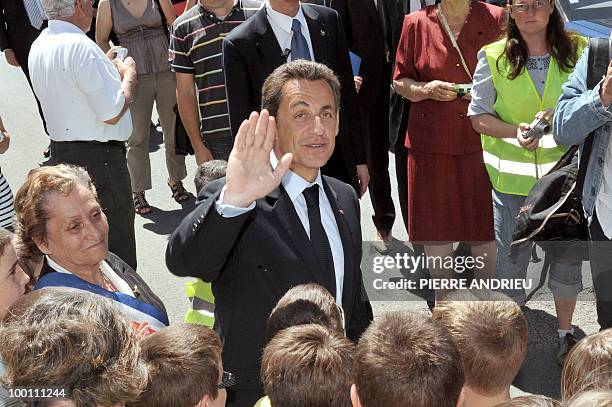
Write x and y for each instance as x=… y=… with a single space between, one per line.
x=540 y=373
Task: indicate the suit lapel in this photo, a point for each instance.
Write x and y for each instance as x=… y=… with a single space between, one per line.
x=267 y=44
x=292 y=226
x=347 y=245
x=372 y=12
x=318 y=34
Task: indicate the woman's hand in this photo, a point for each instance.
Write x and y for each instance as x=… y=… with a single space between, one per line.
x=142 y=330
x=440 y=91
x=546 y=114
x=527 y=142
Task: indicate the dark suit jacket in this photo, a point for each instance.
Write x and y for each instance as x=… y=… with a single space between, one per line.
x=251 y=52
x=16 y=32
x=365 y=37
x=254 y=258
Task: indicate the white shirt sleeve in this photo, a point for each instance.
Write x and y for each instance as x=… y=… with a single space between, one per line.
x=230 y=211
x=100 y=82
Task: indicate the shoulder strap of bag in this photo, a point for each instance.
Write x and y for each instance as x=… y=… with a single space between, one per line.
x=599 y=58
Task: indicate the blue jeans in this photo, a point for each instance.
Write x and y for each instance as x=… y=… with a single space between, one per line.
x=564 y=280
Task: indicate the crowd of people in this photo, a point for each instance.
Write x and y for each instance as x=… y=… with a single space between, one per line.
x=291 y=109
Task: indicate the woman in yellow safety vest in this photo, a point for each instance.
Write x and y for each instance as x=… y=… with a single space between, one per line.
x=518 y=79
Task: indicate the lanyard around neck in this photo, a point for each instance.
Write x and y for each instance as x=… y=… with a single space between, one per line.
x=452 y=38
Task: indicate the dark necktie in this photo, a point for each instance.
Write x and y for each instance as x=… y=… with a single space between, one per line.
x=319 y=240
x=34 y=12
x=382 y=18
x=299 y=46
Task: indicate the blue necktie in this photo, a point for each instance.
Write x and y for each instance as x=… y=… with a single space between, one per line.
x=299 y=46
x=35 y=13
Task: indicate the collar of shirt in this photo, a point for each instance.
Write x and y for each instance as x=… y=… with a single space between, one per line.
x=293 y=183
x=61 y=26
x=283 y=21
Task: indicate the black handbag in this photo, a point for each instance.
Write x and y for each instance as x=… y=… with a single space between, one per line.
x=552 y=214
x=182 y=144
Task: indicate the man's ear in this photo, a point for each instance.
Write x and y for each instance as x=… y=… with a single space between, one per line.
x=355 y=396
x=461 y=399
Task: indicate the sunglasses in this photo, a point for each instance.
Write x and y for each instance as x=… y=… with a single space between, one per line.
x=227 y=380
x=538 y=5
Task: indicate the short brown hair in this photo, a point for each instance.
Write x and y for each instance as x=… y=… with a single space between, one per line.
x=591 y=399
x=533 y=400
x=407 y=360
x=588 y=366
x=73 y=339
x=491 y=333
x=5 y=239
x=31 y=211
x=184 y=363
x=305 y=304
x=307 y=366
x=272 y=90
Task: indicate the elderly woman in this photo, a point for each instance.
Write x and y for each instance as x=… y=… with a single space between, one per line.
x=76 y=342
x=449 y=193
x=58 y=215
x=139 y=24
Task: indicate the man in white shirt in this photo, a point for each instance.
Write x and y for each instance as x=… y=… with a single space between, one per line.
x=85 y=98
x=275 y=222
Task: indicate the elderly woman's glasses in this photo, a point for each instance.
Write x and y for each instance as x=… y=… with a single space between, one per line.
x=538 y=5
x=227 y=380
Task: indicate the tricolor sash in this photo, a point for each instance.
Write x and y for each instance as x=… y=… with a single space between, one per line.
x=132 y=308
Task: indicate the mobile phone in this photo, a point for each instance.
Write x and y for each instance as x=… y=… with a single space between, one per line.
x=462 y=88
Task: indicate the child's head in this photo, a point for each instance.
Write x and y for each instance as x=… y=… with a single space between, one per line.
x=13 y=280
x=403 y=357
x=491 y=334
x=208 y=172
x=588 y=366
x=184 y=364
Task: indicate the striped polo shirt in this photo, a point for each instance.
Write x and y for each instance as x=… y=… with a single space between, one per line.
x=195 y=45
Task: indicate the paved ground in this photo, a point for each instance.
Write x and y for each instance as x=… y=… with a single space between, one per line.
x=540 y=374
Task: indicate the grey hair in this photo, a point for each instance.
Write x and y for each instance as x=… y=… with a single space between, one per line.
x=55 y=9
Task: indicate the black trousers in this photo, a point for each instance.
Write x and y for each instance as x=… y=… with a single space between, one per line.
x=107 y=167
x=401 y=163
x=375 y=118
x=600 y=253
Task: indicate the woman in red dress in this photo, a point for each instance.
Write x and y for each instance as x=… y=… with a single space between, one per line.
x=449 y=192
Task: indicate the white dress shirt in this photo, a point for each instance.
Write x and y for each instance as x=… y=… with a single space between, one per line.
x=281 y=25
x=79 y=88
x=295 y=185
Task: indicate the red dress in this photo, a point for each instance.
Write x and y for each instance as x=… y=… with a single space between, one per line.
x=449 y=192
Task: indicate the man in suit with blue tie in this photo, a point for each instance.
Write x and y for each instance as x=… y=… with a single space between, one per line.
x=275 y=222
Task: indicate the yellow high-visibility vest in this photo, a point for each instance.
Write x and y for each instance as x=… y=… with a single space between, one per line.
x=512 y=168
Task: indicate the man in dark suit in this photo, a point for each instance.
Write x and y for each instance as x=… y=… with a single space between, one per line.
x=275 y=222
x=265 y=41
x=17 y=33
x=368 y=32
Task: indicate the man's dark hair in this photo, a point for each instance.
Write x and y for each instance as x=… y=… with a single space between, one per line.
x=208 y=172
x=184 y=364
x=272 y=90
x=305 y=304
x=407 y=360
x=306 y=365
